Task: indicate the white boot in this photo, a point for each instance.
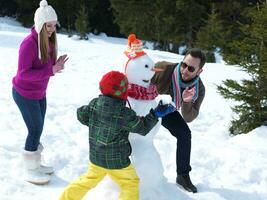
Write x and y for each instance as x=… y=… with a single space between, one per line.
x=33 y=174
x=44 y=169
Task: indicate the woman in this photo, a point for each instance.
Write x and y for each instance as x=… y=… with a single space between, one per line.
x=36 y=64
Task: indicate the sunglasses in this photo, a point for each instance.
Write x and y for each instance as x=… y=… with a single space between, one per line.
x=189 y=68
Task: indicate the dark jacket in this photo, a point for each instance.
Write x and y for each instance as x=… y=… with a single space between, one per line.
x=163 y=81
x=109 y=122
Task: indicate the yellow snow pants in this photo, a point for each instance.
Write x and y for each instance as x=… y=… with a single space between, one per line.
x=126 y=178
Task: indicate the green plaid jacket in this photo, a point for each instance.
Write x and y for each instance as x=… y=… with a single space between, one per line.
x=110 y=122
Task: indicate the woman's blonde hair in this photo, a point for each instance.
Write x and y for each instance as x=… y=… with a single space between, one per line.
x=44 y=45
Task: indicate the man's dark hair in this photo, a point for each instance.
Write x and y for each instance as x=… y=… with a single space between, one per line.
x=197 y=53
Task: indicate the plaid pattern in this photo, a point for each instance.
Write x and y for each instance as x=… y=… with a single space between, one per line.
x=142 y=93
x=109 y=124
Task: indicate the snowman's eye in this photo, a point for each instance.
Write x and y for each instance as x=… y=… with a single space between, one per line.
x=146 y=66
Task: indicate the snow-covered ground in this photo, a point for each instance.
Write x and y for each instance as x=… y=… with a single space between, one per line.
x=224 y=167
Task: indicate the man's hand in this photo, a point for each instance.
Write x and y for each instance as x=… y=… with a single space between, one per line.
x=59 y=65
x=188 y=94
x=163 y=109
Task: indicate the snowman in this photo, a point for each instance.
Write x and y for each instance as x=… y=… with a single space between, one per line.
x=139 y=69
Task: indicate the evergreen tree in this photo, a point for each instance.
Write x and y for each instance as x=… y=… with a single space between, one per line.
x=166 y=22
x=210 y=36
x=25 y=11
x=8 y=8
x=231 y=13
x=189 y=19
x=66 y=11
x=251 y=55
x=82 y=23
x=101 y=18
x=165 y=29
x=134 y=16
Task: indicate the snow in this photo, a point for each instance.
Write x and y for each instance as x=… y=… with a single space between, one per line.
x=224 y=167
x=218 y=57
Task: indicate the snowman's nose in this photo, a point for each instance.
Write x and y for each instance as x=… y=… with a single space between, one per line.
x=157 y=69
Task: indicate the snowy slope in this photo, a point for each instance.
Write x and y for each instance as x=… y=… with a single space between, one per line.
x=224 y=167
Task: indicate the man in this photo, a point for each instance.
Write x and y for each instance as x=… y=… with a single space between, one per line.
x=183 y=83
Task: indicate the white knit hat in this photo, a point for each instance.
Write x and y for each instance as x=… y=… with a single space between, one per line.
x=43 y=14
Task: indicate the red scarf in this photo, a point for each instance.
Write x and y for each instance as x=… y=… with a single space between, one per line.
x=142 y=93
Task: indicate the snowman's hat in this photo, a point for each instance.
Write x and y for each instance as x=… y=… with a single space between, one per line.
x=134 y=47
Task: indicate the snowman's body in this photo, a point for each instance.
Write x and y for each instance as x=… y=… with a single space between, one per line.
x=144 y=157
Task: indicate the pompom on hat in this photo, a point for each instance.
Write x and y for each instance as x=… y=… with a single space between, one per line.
x=45 y=13
x=114 y=84
x=134 y=47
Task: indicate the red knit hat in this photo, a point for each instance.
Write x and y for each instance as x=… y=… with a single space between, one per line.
x=114 y=84
x=134 y=47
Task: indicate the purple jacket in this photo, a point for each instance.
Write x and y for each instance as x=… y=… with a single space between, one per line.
x=32 y=76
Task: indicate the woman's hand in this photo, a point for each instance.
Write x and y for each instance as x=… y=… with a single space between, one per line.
x=59 y=65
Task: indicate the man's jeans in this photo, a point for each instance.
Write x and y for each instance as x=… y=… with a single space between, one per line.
x=33 y=113
x=177 y=126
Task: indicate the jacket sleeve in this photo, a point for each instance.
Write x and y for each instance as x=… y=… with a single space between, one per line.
x=191 y=110
x=163 y=79
x=167 y=68
x=137 y=124
x=26 y=58
x=83 y=114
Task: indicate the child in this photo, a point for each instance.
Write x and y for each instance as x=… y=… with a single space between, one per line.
x=110 y=123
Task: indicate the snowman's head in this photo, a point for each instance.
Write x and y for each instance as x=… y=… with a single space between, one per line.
x=140 y=70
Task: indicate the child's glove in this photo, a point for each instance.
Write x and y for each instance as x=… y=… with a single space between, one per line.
x=162 y=110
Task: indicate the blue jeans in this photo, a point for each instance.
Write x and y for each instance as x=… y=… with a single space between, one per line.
x=33 y=113
x=177 y=126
